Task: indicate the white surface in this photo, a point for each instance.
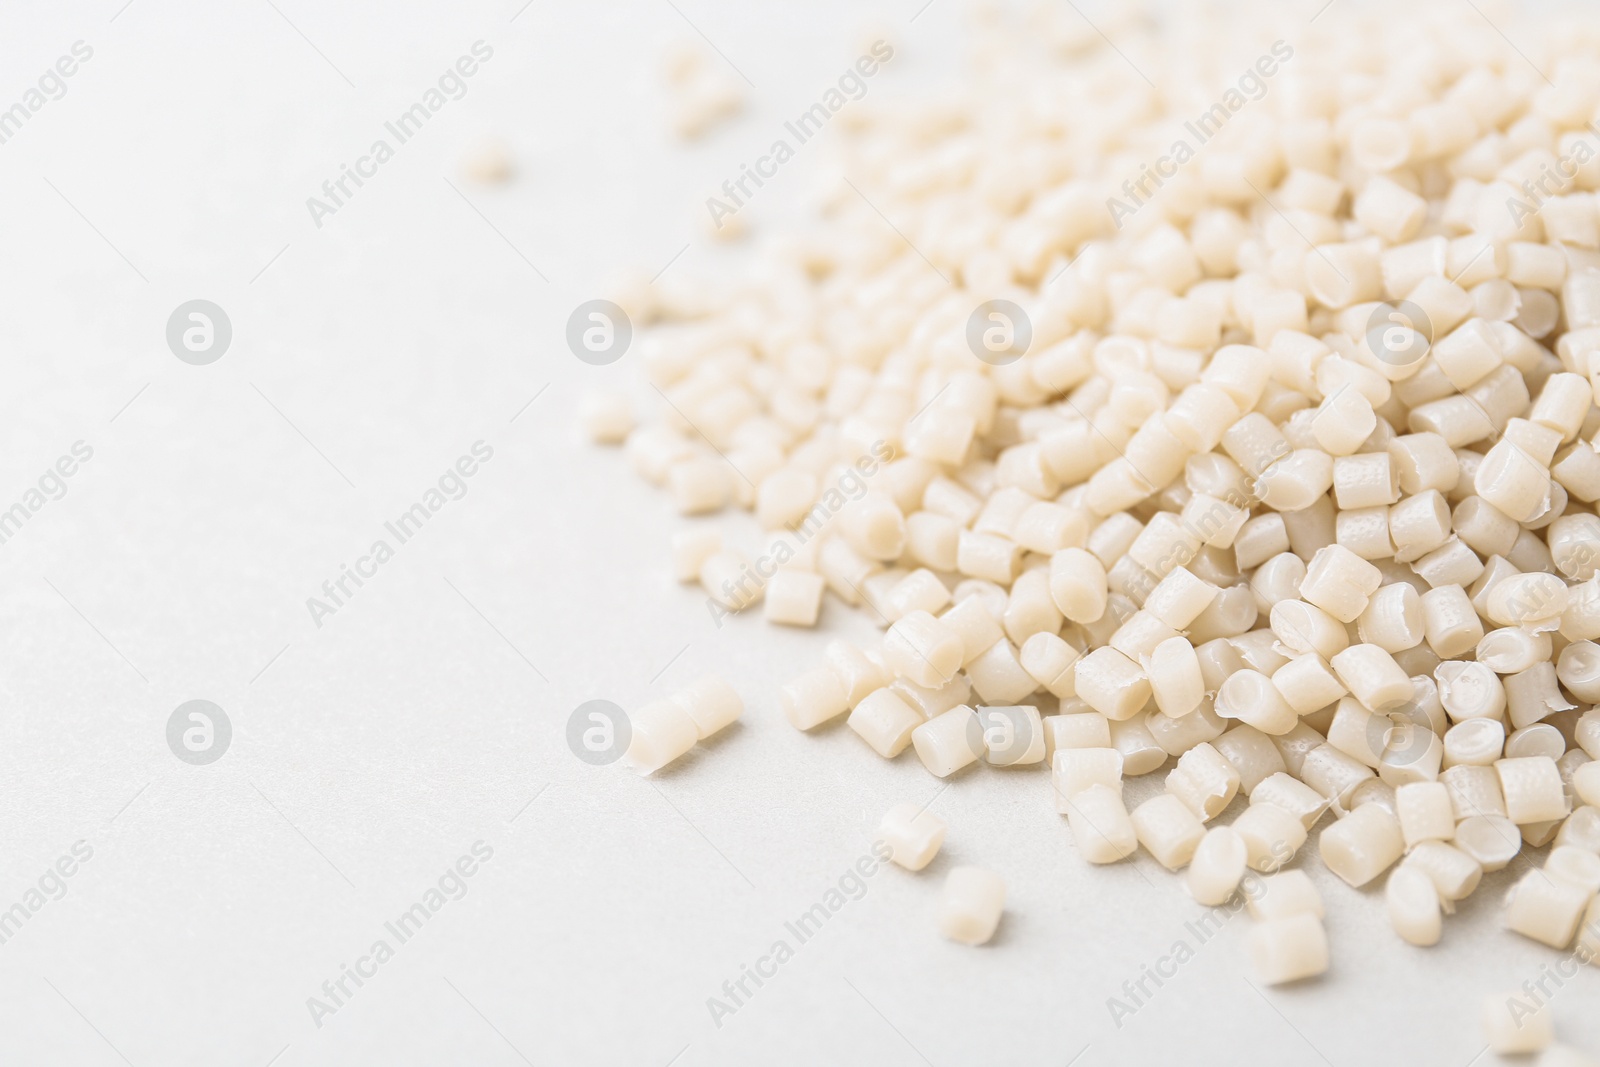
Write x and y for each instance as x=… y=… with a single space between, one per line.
x=408 y=727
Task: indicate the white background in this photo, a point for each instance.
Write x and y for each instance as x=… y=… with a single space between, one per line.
x=370 y=753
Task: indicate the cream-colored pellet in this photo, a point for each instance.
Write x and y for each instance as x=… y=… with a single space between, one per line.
x=661 y=732
x=1141 y=752
x=1075 y=729
x=711 y=702
x=1540 y=739
x=999 y=677
x=923 y=649
x=1100 y=824
x=1179 y=598
x=1362 y=845
x=949 y=742
x=1030 y=609
x=1078 y=585
x=1050 y=661
x=1454 y=873
x=1217 y=866
x=1074 y=770
x=606 y=417
x=1253 y=755
x=1546 y=909
x=793 y=598
x=1372 y=676
x=1532 y=789
x=1393 y=619
x=1575 y=866
x=1250 y=697
x=1492 y=840
x=913 y=835
x=690 y=550
x=1288 y=949
x=1278 y=896
x=1204 y=780
x=1414 y=906
x=987 y=556
x=1111 y=683
x=885 y=721
x=1586 y=783
x=1292 y=795
x=1474 y=790
x=1450 y=624
x=1515 y=1022
x=1340 y=582
x=1425 y=812
x=1332 y=772
x=1012 y=736
x=1271 y=835
x=975 y=625
x=1176 y=683
x=971 y=904
x=815 y=697
x=1168 y=829
x=921 y=590
x=1306 y=683
x=1470 y=691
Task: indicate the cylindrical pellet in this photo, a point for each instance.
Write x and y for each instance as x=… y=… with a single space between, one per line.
x=913 y=835
x=971 y=904
x=1168 y=830
x=1288 y=949
x=1414 y=906
x=1216 y=867
x=1362 y=845
x=1100 y=825
x=885 y=721
x=945 y=743
x=661 y=732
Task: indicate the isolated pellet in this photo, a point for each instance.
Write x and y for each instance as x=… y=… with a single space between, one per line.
x=913 y=835
x=971 y=904
x=661 y=732
x=1513 y=1022
x=1288 y=949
